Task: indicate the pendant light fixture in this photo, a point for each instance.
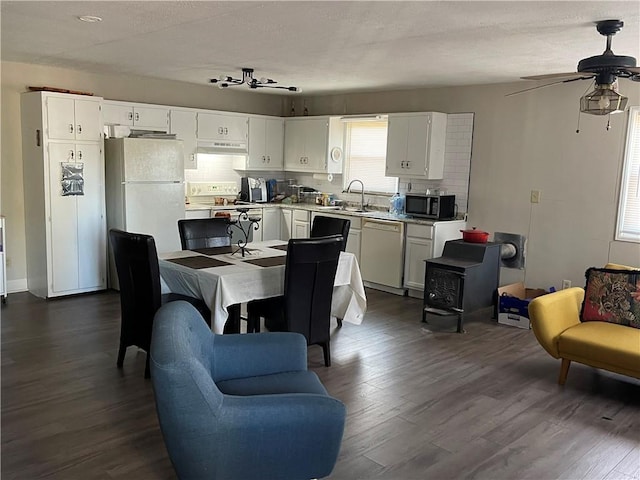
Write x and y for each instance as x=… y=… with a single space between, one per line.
x=603 y=100
x=247 y=79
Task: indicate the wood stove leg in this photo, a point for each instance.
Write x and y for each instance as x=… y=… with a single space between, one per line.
x=460 y=329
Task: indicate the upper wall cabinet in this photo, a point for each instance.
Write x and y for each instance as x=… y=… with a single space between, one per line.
x=266 y=143
x=183 y=124
x=73 y=118
x=415 y=145
x=313 y=144
x=224 y=128
x=136 y=115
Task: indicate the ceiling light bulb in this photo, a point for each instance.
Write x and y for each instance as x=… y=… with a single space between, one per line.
x=223 y=85
x=604 y=102
x=264 y=80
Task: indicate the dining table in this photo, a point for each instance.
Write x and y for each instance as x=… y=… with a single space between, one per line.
x=224 y=279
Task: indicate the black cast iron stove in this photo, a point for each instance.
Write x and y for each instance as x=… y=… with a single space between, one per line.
x=465 y=278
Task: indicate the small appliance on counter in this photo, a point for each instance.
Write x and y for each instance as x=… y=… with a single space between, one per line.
x=253 y=190
x=437 y=207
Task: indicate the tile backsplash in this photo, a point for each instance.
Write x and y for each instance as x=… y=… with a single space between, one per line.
x=457 y=163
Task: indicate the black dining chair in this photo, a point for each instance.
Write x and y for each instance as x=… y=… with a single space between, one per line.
x=136 y=261
x=204 y=232
x=305 y=307
x=323 y=226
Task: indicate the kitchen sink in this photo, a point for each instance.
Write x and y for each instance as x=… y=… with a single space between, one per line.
x=354 y=210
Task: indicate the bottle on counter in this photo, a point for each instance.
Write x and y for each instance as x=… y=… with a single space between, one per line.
x=393 y=203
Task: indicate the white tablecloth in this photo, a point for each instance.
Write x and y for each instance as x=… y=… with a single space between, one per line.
x=240 y=282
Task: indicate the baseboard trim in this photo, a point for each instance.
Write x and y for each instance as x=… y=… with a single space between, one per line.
x=15 y=286
x=385 y=288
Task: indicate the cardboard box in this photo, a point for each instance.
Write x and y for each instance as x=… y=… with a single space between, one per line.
x=513 y=304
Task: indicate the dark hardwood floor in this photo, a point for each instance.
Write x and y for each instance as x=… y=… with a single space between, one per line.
x=423 y=402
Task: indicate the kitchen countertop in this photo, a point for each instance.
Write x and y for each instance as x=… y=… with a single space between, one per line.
x=373 y=214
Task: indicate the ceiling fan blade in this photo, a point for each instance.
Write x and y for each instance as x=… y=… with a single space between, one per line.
x=548 y=85
x=553 y=75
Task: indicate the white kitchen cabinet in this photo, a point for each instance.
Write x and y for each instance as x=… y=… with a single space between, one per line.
x=270 y=224
x=73 y=117
x=422 y=243
x=418 y=247
x=286 y=224
x=138 y=116
x=415 y=145
x=183 y=124
x=66 y=237
x=301 y=224
x=266 y=145
x=226 y=128
x=313 y=144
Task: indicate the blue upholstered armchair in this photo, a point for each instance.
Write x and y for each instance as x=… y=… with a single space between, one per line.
x=240 y=406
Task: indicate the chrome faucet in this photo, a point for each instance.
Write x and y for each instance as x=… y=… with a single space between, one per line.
x=362 y=192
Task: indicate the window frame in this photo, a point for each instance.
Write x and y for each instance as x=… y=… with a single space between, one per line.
x=633 y=131
x=346 y=177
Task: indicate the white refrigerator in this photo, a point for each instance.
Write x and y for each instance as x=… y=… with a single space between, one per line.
x=145 y=189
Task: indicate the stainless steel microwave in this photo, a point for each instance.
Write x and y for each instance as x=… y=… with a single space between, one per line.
x=437 y=207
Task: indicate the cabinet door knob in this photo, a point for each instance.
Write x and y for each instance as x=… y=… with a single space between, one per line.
x=71 y=154
x=130 y=116
x=79 y=128
x=71 y=128
x=268 y=159
x=137 y=116
x=79 y=154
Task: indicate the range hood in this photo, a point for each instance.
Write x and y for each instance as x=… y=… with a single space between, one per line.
x=222 y=146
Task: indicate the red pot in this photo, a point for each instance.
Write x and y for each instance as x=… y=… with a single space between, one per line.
x=475 y=236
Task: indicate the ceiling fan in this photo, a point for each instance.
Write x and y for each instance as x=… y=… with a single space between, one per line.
x=605 y=69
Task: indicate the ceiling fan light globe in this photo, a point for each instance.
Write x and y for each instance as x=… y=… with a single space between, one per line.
x=604 y=100
x=604 y=103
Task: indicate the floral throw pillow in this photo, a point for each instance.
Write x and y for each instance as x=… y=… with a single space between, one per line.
x=612 y=296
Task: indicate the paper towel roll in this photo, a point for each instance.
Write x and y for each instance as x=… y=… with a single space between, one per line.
x=322 y=176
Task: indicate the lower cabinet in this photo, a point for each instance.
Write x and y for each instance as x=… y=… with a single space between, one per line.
x=423 y=242
x=418 y=246
x=271 y=224
x=301 y=224
x=286 y=223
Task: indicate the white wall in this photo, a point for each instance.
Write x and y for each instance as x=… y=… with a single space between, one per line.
x=520 y=143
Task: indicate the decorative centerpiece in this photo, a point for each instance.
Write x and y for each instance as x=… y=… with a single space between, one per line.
x=245 y=228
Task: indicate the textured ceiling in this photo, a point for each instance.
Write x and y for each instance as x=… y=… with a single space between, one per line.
x=321 y=47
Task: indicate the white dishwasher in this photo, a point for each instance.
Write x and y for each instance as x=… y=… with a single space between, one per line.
x=381 y=252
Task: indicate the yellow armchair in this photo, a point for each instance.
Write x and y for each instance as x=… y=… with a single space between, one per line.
x=555 y=321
